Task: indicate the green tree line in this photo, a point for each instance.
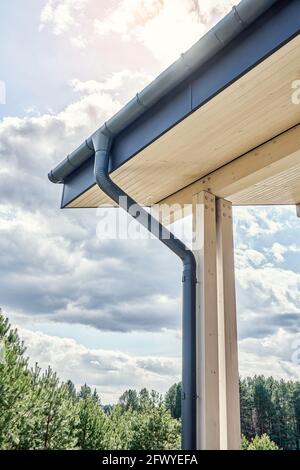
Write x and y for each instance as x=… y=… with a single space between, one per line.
x=269 y=407
x=38 y=411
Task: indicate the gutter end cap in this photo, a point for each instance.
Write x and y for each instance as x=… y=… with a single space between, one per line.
x=53 y=179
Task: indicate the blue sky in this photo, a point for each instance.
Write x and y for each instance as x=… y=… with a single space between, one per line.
x=98 y=310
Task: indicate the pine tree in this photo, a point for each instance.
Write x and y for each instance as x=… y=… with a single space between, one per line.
x=119 y=433
x=283 y=429
x=173 y=400
x=38 y=411
x=56 y=422
x=129 y=399
x=153 y=428
x=15 y=386
x=263 y=406
x=72 y=389
x=246 y=408
x=85 y=391
x=259 y=443
x=143 y=395
x=296 y=406
x=92 y=426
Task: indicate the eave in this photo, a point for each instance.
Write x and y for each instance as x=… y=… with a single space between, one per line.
x=237 y=102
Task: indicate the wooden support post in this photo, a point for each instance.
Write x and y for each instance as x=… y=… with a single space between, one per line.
x=230 y=429
x=298 y=210
x=204 y=247
x=218 y=377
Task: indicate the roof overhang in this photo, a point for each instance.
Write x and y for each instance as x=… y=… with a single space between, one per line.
x=236 y=103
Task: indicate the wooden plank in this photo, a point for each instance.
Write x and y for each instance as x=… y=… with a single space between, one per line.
x=230 y=428
x=204 y=246
x=270 y=174
x=252 y=110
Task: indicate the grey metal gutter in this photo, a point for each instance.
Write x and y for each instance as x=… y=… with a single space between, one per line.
x=207 y=47
x=189 y=356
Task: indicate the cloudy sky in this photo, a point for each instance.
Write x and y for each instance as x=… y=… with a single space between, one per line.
x=98 y=310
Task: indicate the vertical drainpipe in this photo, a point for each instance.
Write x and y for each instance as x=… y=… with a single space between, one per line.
x=102 y=145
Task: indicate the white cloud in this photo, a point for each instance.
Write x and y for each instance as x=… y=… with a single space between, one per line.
x=165 y=27
x=79 y=41
x=272 y=355
x=128 y=15
x=245 y=256
x=263 y=236
x=254 y=222
x=278 y=251
x=62 y=15
x=269 y=289
x=125 y=79
x=52 y=260
x=50 y=133
x=111 y=372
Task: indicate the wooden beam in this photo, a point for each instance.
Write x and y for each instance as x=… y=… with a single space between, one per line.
x=204 y=246
x=269 y=174
x=230 y=428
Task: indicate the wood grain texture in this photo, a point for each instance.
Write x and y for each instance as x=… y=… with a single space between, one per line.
x=230 y=427
x=204 y=248
x=270 y=174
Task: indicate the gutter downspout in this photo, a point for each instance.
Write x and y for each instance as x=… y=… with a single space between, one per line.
x=102 y=145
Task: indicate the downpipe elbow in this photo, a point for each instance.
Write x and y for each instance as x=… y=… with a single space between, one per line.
x=102 y=144
x=189 y=265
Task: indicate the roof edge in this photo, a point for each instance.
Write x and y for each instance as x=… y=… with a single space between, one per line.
x=217 y=38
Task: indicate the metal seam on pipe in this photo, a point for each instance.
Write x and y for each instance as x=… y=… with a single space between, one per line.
x=185 y=62
x=109 y=132
x=219 y=39
x=238 y=17
x=70 y=163
x=140 y=102
x=87 y=144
